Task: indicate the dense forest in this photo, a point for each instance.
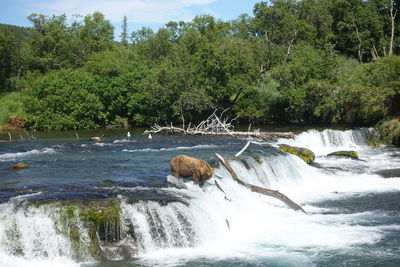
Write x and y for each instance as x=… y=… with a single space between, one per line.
x=290 y=62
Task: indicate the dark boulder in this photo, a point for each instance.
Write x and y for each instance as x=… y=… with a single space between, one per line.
x=389 y=173
x=349 y=154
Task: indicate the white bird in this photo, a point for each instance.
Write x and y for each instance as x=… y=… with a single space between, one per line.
x=150 y=137
x=128 y=135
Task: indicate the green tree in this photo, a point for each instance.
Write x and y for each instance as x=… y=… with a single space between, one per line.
x=359 y=28
x=303 y=80
x=280 y=28
x=96 y=33
x=124 y=32
x=141 y=35
x=49 y=42
x=373 y=93
x=118 y=75
x=63 y=100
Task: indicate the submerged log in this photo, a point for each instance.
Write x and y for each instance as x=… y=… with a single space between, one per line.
x=272 y=193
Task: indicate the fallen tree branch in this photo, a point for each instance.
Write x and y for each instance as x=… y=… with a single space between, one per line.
x=216 y=125
x=261 y=135
x=272 y=193
x=243 y=149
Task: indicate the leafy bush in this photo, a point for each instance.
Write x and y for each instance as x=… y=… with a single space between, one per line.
x=11 y=104
x=64 y=100
x=373 y=92
x=389 y=131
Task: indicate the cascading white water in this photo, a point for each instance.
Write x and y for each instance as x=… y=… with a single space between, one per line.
x=217 y=224
x=30 y=236
x=321 y=142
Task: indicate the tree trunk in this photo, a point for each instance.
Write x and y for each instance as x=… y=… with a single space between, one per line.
x=359 y=42
x=392 y=17
x=272 y=193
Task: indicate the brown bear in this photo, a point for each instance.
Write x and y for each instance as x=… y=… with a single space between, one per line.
x=184 y=166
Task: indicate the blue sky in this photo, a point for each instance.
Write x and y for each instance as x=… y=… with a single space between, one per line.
x=150 y=13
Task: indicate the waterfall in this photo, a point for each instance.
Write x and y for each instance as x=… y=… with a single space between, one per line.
x=199 y=216
x=330 y=140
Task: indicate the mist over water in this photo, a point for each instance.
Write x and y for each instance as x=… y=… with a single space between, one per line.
x=353 y=214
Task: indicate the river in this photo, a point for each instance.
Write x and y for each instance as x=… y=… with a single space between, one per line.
x=145 y=217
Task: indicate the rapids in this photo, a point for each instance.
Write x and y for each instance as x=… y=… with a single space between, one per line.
x=148 y=218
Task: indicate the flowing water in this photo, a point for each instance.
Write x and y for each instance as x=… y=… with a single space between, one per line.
x=353 y=214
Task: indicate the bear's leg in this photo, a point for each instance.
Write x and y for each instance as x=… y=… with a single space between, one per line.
x=175 y=173
x=196 y=174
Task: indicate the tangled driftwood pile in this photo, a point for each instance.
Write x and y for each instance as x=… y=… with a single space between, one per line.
x=215 y=125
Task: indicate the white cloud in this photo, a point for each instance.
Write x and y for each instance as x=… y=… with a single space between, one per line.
x=137 y=11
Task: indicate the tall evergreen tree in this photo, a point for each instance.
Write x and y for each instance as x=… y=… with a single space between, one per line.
x=124 y=33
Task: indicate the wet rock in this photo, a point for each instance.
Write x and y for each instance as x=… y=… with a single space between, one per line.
x=258 y=158
x=89 y=225
x=19 y=166
x=303 y=153
x=213 y=162
x=96 y=139
x=14 y=123
x=316 y=165
x=245 y=163
x=390 y=131
x=100 y=218
x=390 y=173
x=350 y=154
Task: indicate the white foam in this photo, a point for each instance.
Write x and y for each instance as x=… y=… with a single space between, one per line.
x=260 y=226
x=118 y=141
x=323 y=142
x=14 y=261
x=11 y=156
x=170 y=149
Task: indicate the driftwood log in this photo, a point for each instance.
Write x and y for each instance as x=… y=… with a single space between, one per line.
x=272 y=193
x=215 y=125
x=261 y=135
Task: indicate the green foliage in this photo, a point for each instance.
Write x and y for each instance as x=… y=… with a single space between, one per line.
x=389 y=131
x=97 y=33
x=124 y=32
x=373 y=92
x=11 y=104
x=119 y=78
x=304 y=81
x=358 y=26
x=13 y=50
x=253 y=106
x=56 y=45
x=64 y=100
